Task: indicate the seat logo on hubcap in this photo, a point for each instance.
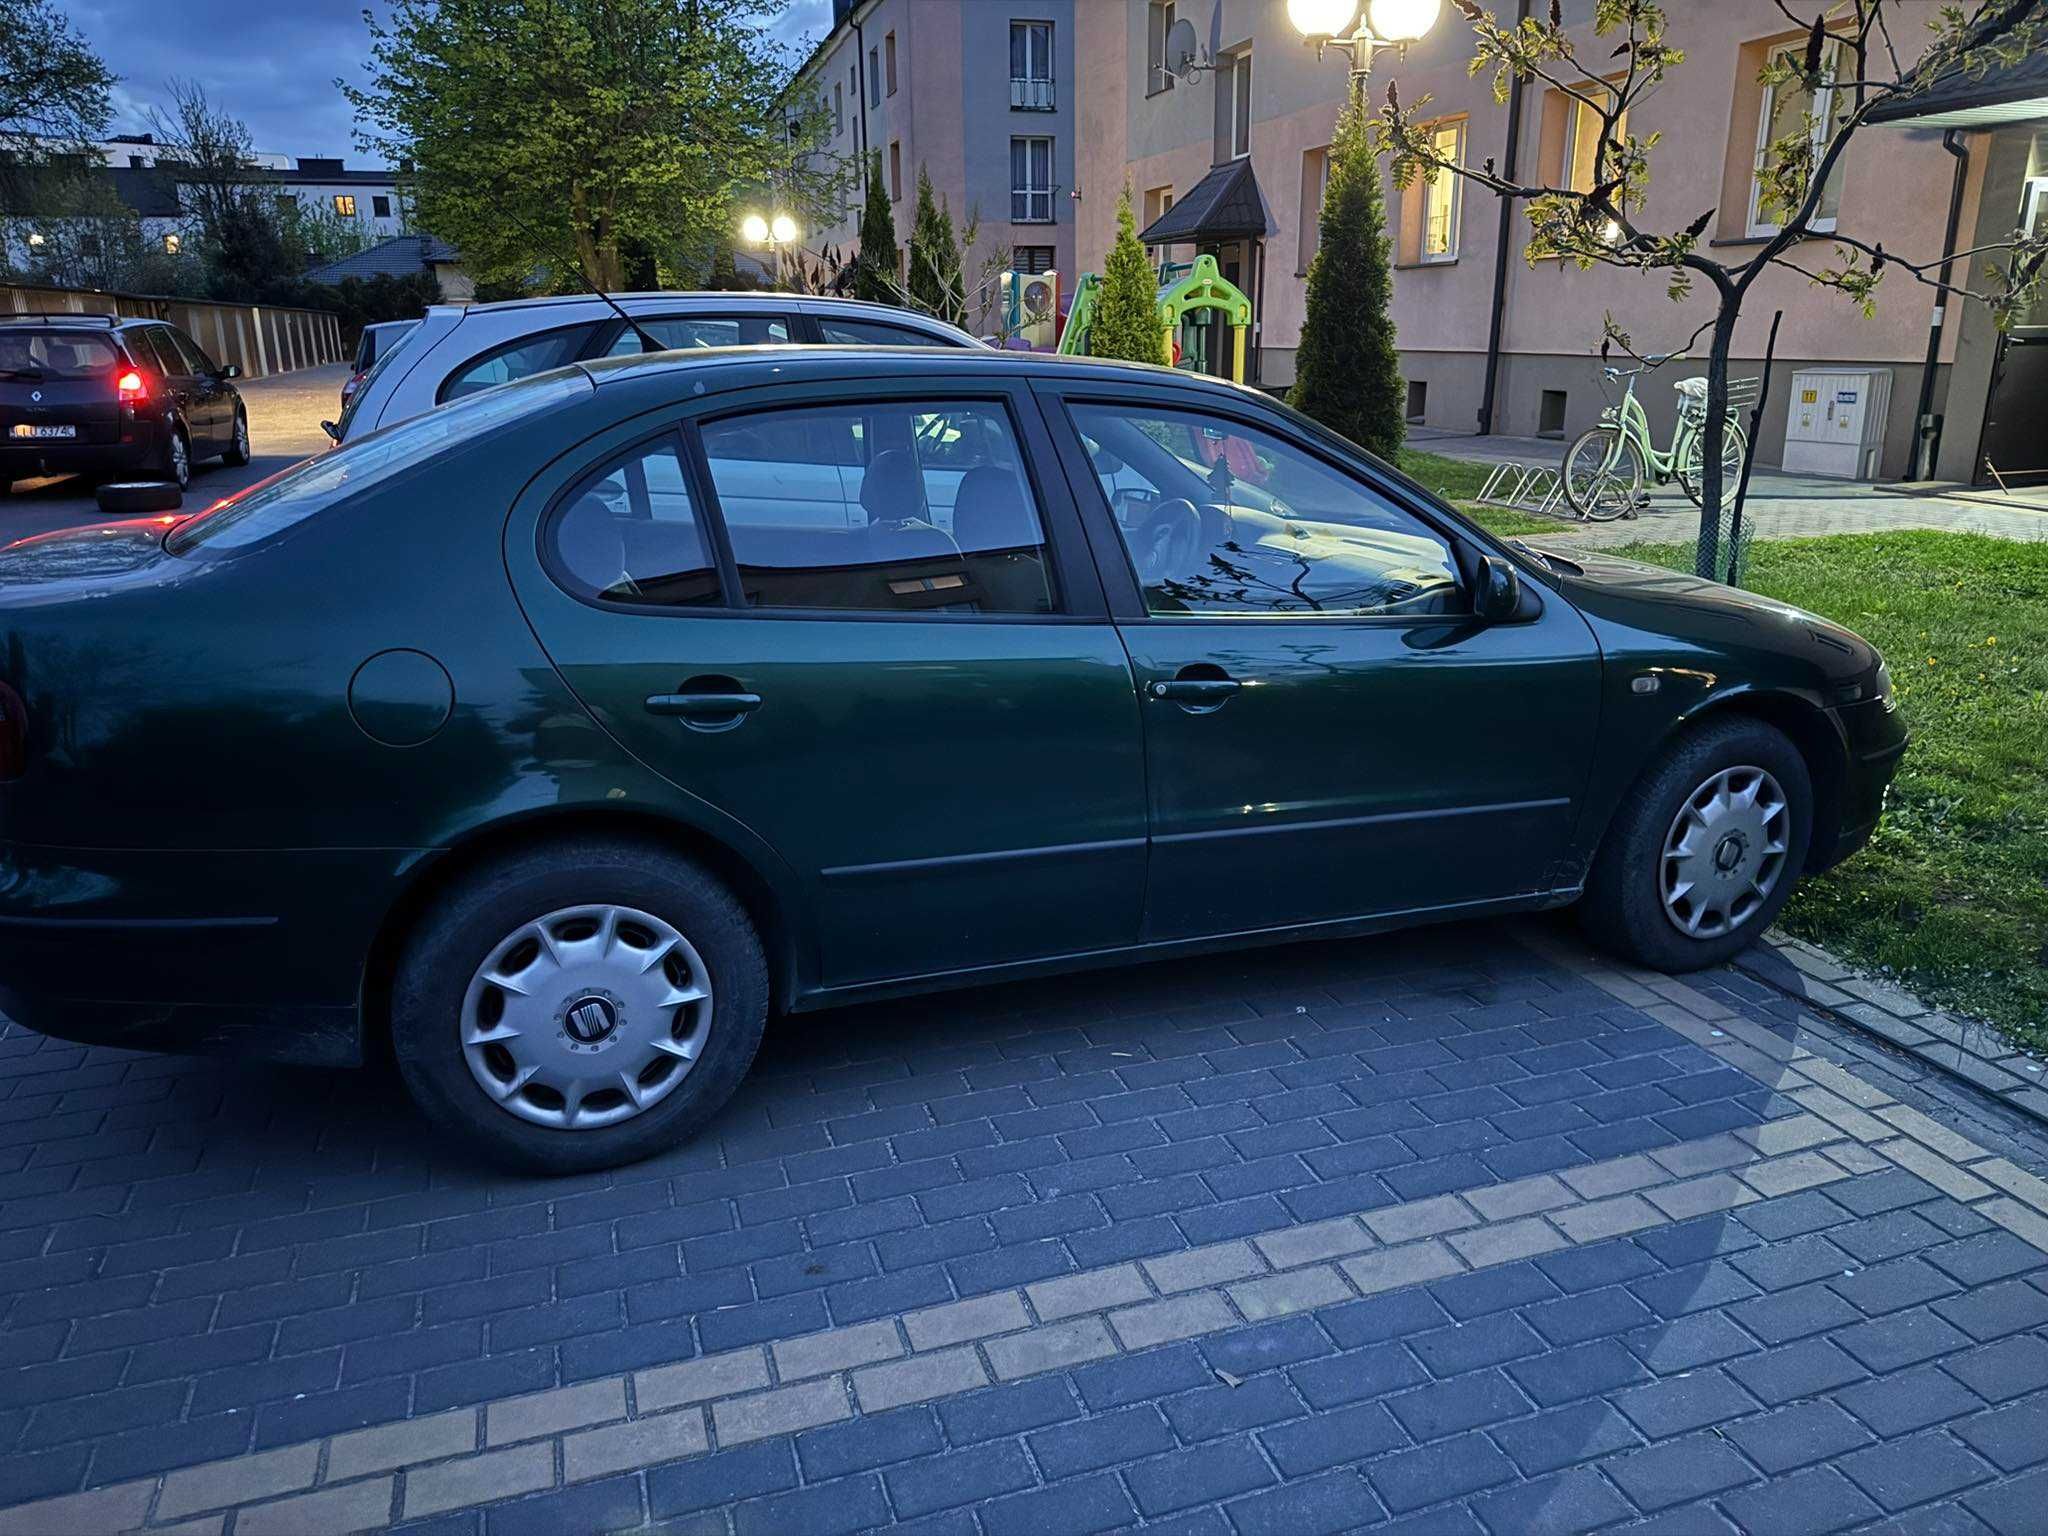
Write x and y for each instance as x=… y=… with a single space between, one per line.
x=590 y=1019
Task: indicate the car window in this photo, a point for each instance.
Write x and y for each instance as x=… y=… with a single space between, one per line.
x=875 y=333
x=899 y=507
x=287 y=499
x=517 y=360
x=193 y=360
x=354 y=403
x=56 y=354
x=165 y=351
x=630 y=532
x=683 y=332
x=1220 y=518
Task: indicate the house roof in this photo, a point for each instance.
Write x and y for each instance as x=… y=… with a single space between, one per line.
x=400 y=256
x=1956 y=97
x=147 y=191
x=1226 y=204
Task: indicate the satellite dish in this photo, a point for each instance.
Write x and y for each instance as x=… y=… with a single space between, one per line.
x=1180 y=48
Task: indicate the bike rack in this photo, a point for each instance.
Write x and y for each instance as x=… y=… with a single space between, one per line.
x=1517 y=487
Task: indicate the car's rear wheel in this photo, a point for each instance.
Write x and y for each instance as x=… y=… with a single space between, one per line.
x=579 y=1005
x=174 y=462
x=1705 y=850
x=237 y=451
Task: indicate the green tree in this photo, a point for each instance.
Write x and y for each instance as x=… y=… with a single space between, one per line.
x=247 y=240
x=574 y=136
x=935 y=257
x=1127 y=305
x=874 y=266
x=53 y=87
x=1347 y=372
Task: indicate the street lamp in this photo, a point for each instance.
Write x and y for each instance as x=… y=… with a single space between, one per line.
x=1383 y=24
x=774 y=231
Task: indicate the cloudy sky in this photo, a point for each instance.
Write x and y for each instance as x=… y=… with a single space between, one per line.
x=272 y=63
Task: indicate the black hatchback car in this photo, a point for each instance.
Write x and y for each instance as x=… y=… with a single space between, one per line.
x=109 y=396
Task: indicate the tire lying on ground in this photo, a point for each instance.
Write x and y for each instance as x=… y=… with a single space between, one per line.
x=131 y=497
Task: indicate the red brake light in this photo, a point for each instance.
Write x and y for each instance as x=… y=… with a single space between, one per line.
x=132 y=387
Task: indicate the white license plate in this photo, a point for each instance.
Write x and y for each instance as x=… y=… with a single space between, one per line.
x=24 y=429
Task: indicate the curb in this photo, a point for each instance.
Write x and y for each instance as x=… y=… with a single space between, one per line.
x=1966 y=1050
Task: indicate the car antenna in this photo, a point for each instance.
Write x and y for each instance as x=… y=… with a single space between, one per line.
x=647 y=342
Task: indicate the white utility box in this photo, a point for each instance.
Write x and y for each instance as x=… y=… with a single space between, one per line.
x=1836 y=425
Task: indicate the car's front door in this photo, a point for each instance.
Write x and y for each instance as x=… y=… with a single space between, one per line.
x=869 y=632
x=1329 y=733
x=213 y=400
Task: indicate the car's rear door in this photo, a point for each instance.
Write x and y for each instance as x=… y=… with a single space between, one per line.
x=59 y=387
x=213 y=400
x=1329 y=734
x=923 y=708
x=187 y=390
x=690 y=331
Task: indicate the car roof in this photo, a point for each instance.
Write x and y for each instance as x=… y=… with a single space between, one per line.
x=743 y=298
x=723 y=368
x=55 y=322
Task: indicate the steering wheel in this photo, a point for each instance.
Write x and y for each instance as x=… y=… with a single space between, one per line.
x=1168 y=542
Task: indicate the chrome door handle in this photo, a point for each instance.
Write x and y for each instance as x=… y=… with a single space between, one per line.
x=1196 y=690
x=703 y=706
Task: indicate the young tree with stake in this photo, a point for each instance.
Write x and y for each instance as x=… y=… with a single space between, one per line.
x=1850 y=52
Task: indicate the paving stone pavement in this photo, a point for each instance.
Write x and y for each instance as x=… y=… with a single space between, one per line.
x=1459 y=1226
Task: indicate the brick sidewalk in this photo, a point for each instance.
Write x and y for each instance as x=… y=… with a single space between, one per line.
x=1052 y=1256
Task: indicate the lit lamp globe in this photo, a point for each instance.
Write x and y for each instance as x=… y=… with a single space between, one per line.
x=754 y=229
x=1403 y=21
x=783 y=229
x=1321 y=18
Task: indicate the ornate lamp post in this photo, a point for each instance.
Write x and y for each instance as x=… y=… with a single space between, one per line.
x=1380 y=24
x=775 y=231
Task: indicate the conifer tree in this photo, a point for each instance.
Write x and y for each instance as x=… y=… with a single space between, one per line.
x=1127 y=305
x=874 y=268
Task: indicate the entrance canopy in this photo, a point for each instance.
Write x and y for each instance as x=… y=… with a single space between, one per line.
x=1956 y=98
x=1224 y=205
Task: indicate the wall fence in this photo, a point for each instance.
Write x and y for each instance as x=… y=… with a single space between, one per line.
x=260 y=339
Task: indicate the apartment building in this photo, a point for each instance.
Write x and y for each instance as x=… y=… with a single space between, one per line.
x=367 y=198
x=1229 y=158
x=980 y=94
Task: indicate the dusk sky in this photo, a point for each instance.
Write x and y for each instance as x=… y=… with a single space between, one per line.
x=272 y=64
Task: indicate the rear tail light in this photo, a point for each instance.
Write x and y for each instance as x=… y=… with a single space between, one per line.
x=13 y=734
x=132 y=387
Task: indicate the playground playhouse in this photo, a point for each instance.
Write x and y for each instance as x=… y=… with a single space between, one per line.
x=1193 y=298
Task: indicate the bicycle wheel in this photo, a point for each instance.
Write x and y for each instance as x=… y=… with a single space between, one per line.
x=1603 y=474
x=1690 y=463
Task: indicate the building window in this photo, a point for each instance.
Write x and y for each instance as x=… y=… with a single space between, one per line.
x=1315 y=181
x=875 y=77
x=1031 y=181
x=1440 y=196
x=895 y=170
x=381 y=207
x=1157 y=201
x=173 y=244
x=1788 y=109
x=1239 y=70
x=1158 y=23
x=1418 y=399
x=1031 y=88
x=838 y=110
x=1032 y=258
x=1582 y=144
x=345 y=204
x=889 y=61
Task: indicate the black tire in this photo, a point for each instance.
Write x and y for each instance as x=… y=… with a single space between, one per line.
x=168 y=461
x=1624 y=909
x=236 y=454
x=468 y=920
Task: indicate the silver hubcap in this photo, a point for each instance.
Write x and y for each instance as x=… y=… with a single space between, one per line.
x=181 y=461
x=241 y=437
x=1724 y=852
x=586 y=1017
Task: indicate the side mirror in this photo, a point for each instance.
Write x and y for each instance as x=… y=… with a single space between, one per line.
x=1497 y=596
x=231 y=371
x=331 y=430
x=133 y=497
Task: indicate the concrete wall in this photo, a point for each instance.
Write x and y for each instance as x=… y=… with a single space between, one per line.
x=1895 y=189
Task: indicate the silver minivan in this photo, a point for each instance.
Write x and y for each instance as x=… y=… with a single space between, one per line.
x=457 y=350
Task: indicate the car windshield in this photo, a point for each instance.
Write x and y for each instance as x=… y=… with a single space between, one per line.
x=285 y=500
x=56 y=354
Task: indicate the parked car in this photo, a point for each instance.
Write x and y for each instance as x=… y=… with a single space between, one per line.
x=461 y=349
x=105 y=395
x=551 y=739
x=375 y=341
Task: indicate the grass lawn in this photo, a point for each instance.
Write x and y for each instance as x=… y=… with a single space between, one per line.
x=1952 y=893
x=1458 y=482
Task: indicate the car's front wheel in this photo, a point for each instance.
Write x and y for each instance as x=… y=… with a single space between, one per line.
x=579 y=1005
x=1705 y=850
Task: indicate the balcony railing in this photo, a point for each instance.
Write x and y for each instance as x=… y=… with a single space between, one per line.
x=1032 y=95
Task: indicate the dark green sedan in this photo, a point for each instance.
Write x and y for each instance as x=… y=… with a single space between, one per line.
x=553 y=739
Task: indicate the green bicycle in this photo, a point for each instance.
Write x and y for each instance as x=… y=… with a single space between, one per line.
x=1605 y=468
